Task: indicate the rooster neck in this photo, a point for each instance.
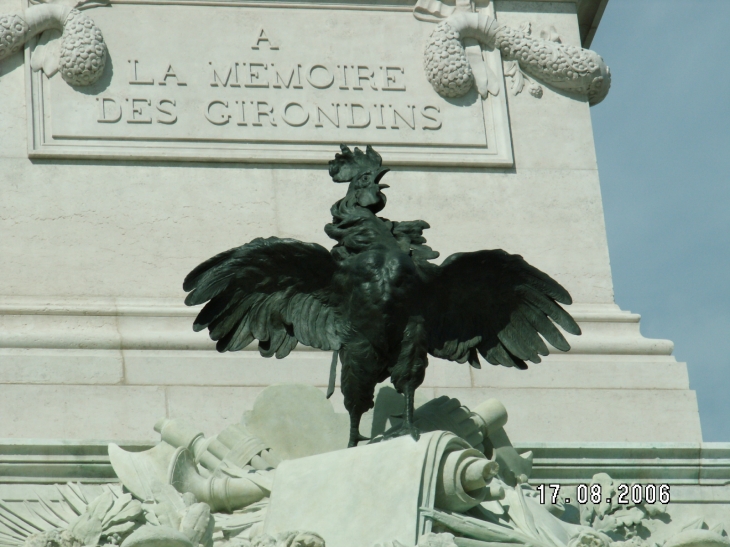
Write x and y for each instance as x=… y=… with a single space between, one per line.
x=357 y=230
x=359 y=198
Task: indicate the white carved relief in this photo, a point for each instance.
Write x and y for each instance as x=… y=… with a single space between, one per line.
x=461 y=485
x=75 y=515
x=453 y=63
x=79 y=54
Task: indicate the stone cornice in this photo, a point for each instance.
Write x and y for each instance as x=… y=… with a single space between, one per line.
x=589 y=16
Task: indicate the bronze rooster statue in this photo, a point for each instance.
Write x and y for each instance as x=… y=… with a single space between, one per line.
x=376 y=300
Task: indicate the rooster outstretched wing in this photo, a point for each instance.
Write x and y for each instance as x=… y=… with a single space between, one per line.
x=496 y=304
x=274 y=290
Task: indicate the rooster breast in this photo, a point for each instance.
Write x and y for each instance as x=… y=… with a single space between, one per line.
x=380 y=287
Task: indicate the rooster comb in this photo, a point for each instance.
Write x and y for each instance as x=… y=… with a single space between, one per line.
x=348 y=165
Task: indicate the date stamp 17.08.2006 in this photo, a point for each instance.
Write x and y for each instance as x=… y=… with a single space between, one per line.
x=626 y=494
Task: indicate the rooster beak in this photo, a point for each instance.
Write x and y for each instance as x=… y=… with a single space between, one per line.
x=379 y=176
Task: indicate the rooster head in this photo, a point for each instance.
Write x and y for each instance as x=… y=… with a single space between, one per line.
x=363 y=171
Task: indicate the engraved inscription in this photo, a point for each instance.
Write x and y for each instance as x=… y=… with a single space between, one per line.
x=294 y=113
x=269 y=82
x=277 y=75
x=262 y=37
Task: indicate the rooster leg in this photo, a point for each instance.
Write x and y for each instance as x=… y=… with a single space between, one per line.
x=355 y=436
x=408 y=428
x=409 y=371
x=361 y=372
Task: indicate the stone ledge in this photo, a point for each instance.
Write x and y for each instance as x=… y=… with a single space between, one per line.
x=173 y=307
x=248 y=368
x=671 y=463
x=50 y=461
x=165 y=324
x=677 y=464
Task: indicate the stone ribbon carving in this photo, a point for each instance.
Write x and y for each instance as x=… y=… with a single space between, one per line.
x=452 y=71
x=80 y=54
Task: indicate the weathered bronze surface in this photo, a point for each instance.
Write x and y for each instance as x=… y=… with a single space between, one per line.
x=376 y=300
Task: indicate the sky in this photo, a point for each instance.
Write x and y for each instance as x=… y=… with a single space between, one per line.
x=663 y=146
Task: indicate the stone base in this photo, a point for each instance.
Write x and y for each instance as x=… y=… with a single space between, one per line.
x=283 y=472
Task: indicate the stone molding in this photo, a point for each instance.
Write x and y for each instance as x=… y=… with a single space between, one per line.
x=706 y=464
x=681 y=464
x=89 y=323
x=50 y=462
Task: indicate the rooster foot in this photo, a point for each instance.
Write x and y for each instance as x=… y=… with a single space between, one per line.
x=405 y=429
x=356 y=437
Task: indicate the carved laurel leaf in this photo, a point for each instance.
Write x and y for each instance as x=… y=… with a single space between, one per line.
x=169 y=506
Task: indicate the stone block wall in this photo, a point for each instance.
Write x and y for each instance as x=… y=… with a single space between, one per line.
x=95 y=341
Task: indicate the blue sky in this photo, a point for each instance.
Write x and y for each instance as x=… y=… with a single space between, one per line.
x=663 y=145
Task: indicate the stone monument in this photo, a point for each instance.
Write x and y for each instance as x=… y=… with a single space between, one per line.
x=139 y=138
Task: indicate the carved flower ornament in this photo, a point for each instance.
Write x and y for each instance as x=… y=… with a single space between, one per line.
x=453 y=57
x=589 y=538
x=79 y=54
